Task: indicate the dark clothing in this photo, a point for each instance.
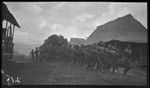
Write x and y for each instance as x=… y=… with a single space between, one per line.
x=32 y=55
x=37 y=54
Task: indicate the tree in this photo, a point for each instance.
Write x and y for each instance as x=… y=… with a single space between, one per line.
x=54 y=47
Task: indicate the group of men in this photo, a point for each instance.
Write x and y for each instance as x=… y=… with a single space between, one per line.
x=103 y=58
x=35 y=55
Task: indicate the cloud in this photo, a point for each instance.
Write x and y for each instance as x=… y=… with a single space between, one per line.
x=23 y=36
x=84 y=17
x=116 y=10
x=66 y=31
x=34 y=7
x=39 y=20
x=42 y=24
x=60 y=5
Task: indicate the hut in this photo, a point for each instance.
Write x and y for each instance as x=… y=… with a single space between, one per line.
x=7 y=33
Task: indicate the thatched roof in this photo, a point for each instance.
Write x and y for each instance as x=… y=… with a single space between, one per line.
x=6 y=15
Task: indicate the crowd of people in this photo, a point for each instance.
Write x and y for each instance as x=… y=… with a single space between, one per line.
x=99 y=56
x=103 y=58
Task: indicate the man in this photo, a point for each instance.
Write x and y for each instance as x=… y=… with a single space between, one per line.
x=36 y=53
x=32 y=54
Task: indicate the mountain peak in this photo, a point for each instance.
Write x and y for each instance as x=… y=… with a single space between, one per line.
x=127 y=17
x=125 y=28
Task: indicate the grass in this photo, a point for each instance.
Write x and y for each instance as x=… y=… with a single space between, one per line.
x=33 y=73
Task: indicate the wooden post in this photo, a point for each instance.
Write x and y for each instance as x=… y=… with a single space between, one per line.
x=6 y=28
x=13 y=28
x=13 y=31
x=10 y=34
x=6 y=24
x=12 y=42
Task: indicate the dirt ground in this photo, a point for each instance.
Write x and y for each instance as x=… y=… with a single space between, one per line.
x=34 y=73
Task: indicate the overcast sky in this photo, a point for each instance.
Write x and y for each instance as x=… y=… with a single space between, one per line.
x=39 y=20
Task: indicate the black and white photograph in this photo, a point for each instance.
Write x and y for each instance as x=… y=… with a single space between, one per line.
x=74 y=43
